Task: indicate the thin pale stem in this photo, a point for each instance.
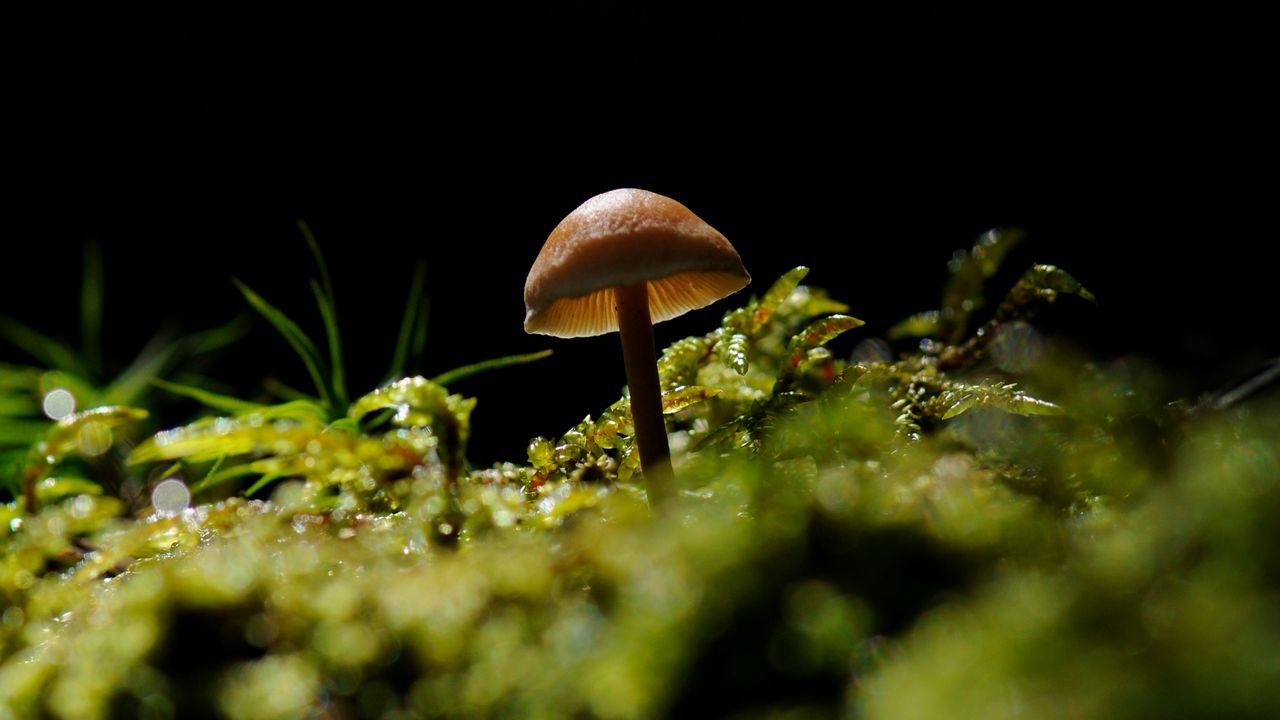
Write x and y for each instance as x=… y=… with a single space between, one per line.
x=641 y=359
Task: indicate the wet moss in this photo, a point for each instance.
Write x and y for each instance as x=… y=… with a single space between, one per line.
x=976 y=522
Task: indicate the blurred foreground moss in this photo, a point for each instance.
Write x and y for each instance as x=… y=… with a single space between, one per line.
x=982 y=525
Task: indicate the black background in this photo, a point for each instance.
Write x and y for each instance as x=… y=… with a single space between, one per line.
x=1137 y=147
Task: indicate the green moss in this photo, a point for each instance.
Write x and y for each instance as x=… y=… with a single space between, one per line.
x=947 y=533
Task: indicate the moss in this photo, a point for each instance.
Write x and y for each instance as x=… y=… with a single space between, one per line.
x=951 y=531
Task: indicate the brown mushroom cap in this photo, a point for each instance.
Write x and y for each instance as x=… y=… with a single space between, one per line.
x=625 y=237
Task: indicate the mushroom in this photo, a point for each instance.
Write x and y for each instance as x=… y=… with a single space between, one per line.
x=624 y=260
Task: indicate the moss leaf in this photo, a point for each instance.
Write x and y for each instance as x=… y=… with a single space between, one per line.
x=673 y=401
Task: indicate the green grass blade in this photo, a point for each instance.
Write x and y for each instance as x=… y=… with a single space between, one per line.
x=297 y=339
x=18 y=405
x=209 y=477
x=53 y=489
x=300 y=407
x=21 y=432
x=304 y=410
x=375 y=420
x=19 y=377
x=345 y=425
x=419 y=343
x=213 y=479
x=221 y=403
x=412 y=324
x=319 y=257
x=133 y=382
x=465 y=371
x=13 y=462
x=327 y=313
x=277 y=388
x=91 y=301
x=53 y=354
x=174 y=470
x=262 y=482
x=216 y=338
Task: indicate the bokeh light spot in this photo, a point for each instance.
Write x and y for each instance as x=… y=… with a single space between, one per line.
x=1017 y=347
x=170 y=497
x=95 y=438
x=59 y=403
x=872 y=350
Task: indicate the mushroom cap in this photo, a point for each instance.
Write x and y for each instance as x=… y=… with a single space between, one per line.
x=624 y=237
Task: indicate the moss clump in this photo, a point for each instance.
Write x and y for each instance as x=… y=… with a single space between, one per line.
x=955 y=530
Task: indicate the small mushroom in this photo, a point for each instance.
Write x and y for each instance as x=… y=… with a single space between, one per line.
x=624 y=260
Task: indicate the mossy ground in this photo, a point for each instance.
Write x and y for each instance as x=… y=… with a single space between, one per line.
x=981 y=524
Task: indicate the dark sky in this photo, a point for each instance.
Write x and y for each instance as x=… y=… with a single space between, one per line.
x=1138 y=148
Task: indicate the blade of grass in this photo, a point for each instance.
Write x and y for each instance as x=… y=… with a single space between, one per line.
x=19 y=377
x=375 y=420
x=12 y=464
x=338 y=374
x=91 y=300
x=216 y=338
x=55 y=488
x=285 y=392
x=315 y=252
x=53 y=354
x=419 y=343
x=411 y=324
x=329 y=311
x=174 y=470
x=301 y=408
x=129 y=386
x=307 y=410
x=214 y=479
x=262 y=482
x=221 y=403
x=297 y=339
x=13 y=461
x=344 y=425
x=21 y=432
x=18 y=406
x=465 y=371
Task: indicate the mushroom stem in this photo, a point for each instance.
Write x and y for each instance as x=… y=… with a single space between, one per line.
x=636 y=328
